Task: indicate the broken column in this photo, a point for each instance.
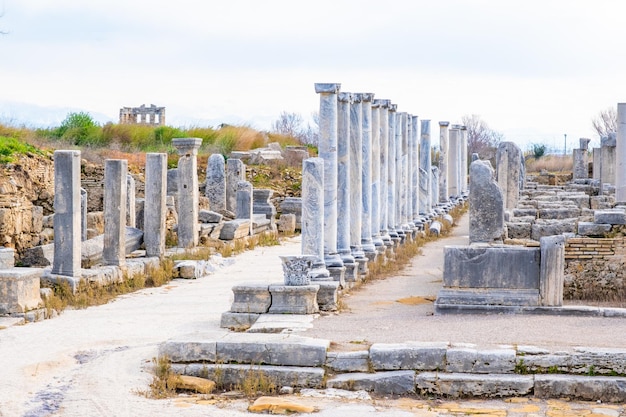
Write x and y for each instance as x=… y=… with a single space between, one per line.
x=343 y=186
x=608 y=154
x=454 y=155
x=425 y=163
x=131 y=220
x=398 y=186
x=244 y=203
x=187 y=149
x=508 y=166
x=620 y=154
x=366 y=177
x=443 y=161
x=552 y=269
x=155 y=207
x=215 y=188
x=67 y=222
x=115 y=191
x=327 y=150
x=312 y=218
x=486 y=203
x=235 y=172
x=580 y=166
x=464 y=166
x=83 y=214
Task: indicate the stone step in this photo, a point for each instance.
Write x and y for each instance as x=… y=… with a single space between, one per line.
x=460 y=385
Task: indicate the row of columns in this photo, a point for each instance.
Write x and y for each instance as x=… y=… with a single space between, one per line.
x=377 y=185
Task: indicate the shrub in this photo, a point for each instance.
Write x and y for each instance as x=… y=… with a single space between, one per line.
x=80 y=129
x=11 y=147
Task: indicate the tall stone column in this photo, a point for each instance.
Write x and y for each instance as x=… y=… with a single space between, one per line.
x=404 y=159
x=313 y=215
x=215 y=188
x=376 y=138
x=620 y=155
x=83 y=214
x=356 y=185
x=244 y=203
x=443 y=161
x=131 y=219
x=327 y=150
x=343 y=185
x=425 y=164
x=508 y=172
x=384 y=162
x=187 y=149
x=155 y=208
x=235 y=172
x=398 y=184
x=415 y=172
x=391 y=175
x=115 y=193
x=434 y=185
x=464 y=164
x=366 y=177
x=67 y=228
x=581 y=166
x=454 y=146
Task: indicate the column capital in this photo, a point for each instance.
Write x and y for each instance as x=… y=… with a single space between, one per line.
x=186 y=145
x=357 y=97
x=393 y=107
x=444 y=124
x=345 y=97
x=367 y=97
x=463 y=127
x=456 y=127
x=332 y=88
x=381 y=103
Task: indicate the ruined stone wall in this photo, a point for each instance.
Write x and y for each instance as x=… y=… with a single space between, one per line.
x=595 y=269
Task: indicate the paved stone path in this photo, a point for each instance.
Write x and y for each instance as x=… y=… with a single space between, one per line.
x=94 y=362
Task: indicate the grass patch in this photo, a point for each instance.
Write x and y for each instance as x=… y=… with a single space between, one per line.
x=12 y=148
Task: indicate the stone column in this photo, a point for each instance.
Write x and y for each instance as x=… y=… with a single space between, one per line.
x=434 y=185
x=376 y=137
x=404 y=183
x=83 y=214
x=597 y=163
x=425 y=165
x=415 y=173
x=244 y=203
x=608 y=165
x=620 y=155
x=443 y=162
x=398 y=186
x=131 y=220
x=551 y=275
x=384 y=170
x=235 y=172
x=215 y=189
x=464 y=164
x=580 y=164
x=391 y=175
x=366 y=177
x=508 y=172
x=115 y=194
x=155 y=207
x=327 y=150
x=454 y=145
x=356 y=185
x=67 y=228
x=486 y=202
x=187 y=149
x=343 y=185
x=312 y=218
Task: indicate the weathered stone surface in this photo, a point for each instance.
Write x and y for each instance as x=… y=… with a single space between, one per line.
x=235 y=229
x=252 y=298
x=551 y=270
x=194 y=384
x=215 y=188
x=482 y=267
x=459 y=385
x=543 y=227
x=189 y=350
x=293 y=205
x=232 y=375
x=235 y=172
x=277 y=405
x=559 y=213
x=328 y=295
x=382 y=383
x=421 y=356
x=518 y=230
x=294 y=299
x=7 y=258
x=606 y=389
x=612 y=216
x=272 y=349
x=509 y=172
x=115 y=205
x=19 y=290
x=583 y=361
x=287 y=223
x=489 y=361
x=523 y=212
x=485 y=300
x=261 y=203
x=294 y=155
x=208 y=216
x=593 y=229
x=357 y=361
x=486 y=204
x=238 y=321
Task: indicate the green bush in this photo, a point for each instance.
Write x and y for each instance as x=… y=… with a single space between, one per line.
x=80 y=129
x=10 y=148
x=164 y=134
x=538 y=150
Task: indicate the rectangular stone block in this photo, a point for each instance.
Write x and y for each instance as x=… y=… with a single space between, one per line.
x=189 y=350
x=518 y=230
x=611 y=216
x=410 y=355
x=502 y=300
x=382 y=383
x=272 y=349
x=459 y=385
x=489 y=361
x=253 y=298
x=235 y=229
x=559 y=213
x=7 y=258
x=482 y=267
x=19 y=290
x=357 y=361
x=301 y=299
x=232 y=375
x=605 y=389
x=593 y=229
x=602 y=361
x=238 y=321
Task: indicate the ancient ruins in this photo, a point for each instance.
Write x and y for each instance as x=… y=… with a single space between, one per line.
x=142 y=115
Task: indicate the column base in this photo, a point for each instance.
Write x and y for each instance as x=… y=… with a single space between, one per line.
x=300 y=299
x=328 y=295
x=338 y=273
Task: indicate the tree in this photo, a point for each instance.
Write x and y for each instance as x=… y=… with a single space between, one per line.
x=288 y=124
x=481 y=139
x=605 y=122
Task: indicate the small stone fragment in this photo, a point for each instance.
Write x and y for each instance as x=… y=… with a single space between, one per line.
x=276 y=405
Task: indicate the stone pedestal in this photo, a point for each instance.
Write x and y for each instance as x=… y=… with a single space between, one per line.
x=67 y=214
x=215 y=188
x=187 y=149
x=19 y=290
x=294 y=299
x=328 y=295
x=155 y=207
x=251 y=298
x=114 y=251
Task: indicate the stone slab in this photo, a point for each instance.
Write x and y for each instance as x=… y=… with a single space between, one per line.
x=357 y=361
x=19 y=290
x=593 y=229
x=584 y=360
x=605 y=389
x=301 y=299
x=282 y=323
x=238 y=321
x=612 y=216
x=422 y=356
x=252 y=298
x=467 y=360
x=460 y=385
x=235 y=229
x=7 y=258
x=208 y=216
x=382 y=383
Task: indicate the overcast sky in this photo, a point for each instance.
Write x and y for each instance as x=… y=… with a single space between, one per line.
x=533 y=70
